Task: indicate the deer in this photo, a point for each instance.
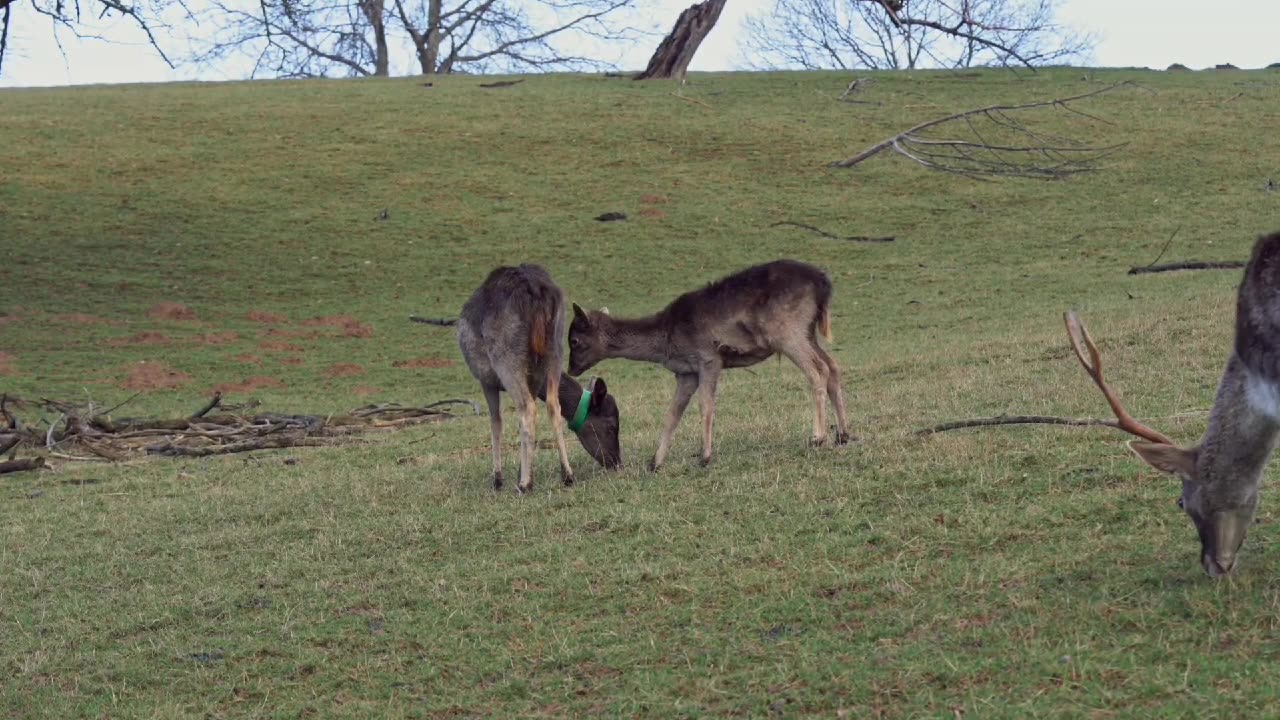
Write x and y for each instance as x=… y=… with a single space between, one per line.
x=777 y=308
x=510 y=333
x=1222 y=474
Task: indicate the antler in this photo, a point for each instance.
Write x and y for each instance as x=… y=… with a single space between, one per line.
x=1078 y=333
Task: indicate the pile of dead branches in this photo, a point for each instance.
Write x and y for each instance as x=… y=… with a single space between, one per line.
x=82 y=432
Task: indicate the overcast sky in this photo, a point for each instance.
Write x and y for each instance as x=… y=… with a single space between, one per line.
x=1152 y=33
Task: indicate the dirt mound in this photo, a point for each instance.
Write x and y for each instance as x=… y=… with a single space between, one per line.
x=343 y=370
x=654 y=199
x=7 y=367
x=422 y=363
x=366 y=390
x=350 y=326
x=294 y=361
x=292 y=334
x=247 y=359
x=144 y=338
x=218 y=338
x=651 y=212
x=249 y=384
x=81 y=319
x=171 y=311
x=154 y=376
x=268 y=318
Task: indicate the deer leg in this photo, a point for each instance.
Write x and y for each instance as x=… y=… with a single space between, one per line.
x=557 y=423
x=528 y=408
x=707 y=382
x=816 y=371
x=495 y=432
x=836 y=392
x=685 y=385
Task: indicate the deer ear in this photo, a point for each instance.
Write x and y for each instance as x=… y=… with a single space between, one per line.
x=579 y=314
x=1166 y=458
x=598 y=393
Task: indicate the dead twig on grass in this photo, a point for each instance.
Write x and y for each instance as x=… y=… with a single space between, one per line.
x=1019 y=150
x=1188 y=265
x=442 y=322
x=825 y=234
x=1014 y=420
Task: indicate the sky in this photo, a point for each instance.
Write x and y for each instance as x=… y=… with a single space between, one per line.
x=1151 y=33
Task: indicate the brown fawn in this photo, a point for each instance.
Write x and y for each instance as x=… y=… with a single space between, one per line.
x=510 y=333
x=737 y=321
x=1222 y=474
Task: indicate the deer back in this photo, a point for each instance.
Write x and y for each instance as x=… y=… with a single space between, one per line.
x=515 y=319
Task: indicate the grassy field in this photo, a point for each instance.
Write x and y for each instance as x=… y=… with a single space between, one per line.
x=178 y=238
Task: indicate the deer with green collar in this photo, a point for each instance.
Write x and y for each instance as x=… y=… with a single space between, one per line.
x=510 y=334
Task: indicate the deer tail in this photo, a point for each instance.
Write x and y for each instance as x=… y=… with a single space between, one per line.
x=824 y=322
x=540 y=326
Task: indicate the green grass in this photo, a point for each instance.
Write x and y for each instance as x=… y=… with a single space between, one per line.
x=1007 y=572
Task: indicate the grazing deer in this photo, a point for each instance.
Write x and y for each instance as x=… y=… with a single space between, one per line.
x=1221 y=476
x=509 y=332
x=737 y=321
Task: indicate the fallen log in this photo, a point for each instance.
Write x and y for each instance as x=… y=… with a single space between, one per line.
x=11 y=466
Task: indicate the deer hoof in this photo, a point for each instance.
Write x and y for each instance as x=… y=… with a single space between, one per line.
x=703 y=462
x=844 y=438
x=497 y=481
x=818 y=442
x=524 y=489
x=567 y=478
x=654 y=466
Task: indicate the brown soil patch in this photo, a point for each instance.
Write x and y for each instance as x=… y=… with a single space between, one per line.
x=247 y=359
x=218 y=338
x=349 y=325
x=295 y=361
x=171 y=311
x=276 y=346
x=343 y=370
x=256 y=382
x=262 y=316
x=366 y=390
x=146 y=338
x=7 y=367
x=654 y=199
x=652 y=213
x=154 y=376
x=7 y=319
x=422 y=363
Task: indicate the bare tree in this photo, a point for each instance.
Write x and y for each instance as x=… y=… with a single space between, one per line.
x=884 y=34
x=676 y=51
x=309 y=38
x=150 y=16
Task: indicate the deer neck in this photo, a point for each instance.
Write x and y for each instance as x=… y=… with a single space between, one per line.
x=1244 y=423
x=645 y=339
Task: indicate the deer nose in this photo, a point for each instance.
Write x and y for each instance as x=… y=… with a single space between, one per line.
x=1219 y=566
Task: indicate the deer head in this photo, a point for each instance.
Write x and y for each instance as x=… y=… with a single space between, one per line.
x=599 y=433
x=1219 y=481
x=588 y=339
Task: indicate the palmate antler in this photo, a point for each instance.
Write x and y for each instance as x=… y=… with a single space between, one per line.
x=1079 y=334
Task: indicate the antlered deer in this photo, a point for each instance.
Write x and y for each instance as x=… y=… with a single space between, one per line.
x=510 y=332
x=737 y=321
x=1221 y=476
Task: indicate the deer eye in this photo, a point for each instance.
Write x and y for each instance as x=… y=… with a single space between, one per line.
x=1181 y=505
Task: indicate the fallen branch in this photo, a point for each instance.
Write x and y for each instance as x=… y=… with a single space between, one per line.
x=264 y=443
x=11 y=466
x=1188 y=265
x=214 y=402
x=9 y=442
x=824 y=233
x=1015 y=420
x=695 y=101
x=442 y=322
x=1030 y=154
x=502 y=83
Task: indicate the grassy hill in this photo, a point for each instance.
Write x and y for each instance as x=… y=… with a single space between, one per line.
x=173 y=239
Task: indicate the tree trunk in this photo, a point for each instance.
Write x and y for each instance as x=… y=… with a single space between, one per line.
x=429 y=52
x=373 y=13
x=672 y=57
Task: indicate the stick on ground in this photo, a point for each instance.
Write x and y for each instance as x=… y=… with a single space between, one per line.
x=1187 y=265
x=1015 y=420
x=825 y=234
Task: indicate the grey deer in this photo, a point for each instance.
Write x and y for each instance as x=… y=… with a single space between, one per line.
x=510 y=333
x=1222 y=474
x=737 y=321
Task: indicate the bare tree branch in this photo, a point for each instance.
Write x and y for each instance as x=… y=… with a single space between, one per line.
x=1045 y=160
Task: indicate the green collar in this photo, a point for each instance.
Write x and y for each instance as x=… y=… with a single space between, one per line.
x=580 y=417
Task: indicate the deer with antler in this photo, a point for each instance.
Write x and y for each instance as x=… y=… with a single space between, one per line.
x=1222 y=474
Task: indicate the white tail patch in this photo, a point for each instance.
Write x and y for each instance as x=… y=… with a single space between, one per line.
x=1263 y=395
